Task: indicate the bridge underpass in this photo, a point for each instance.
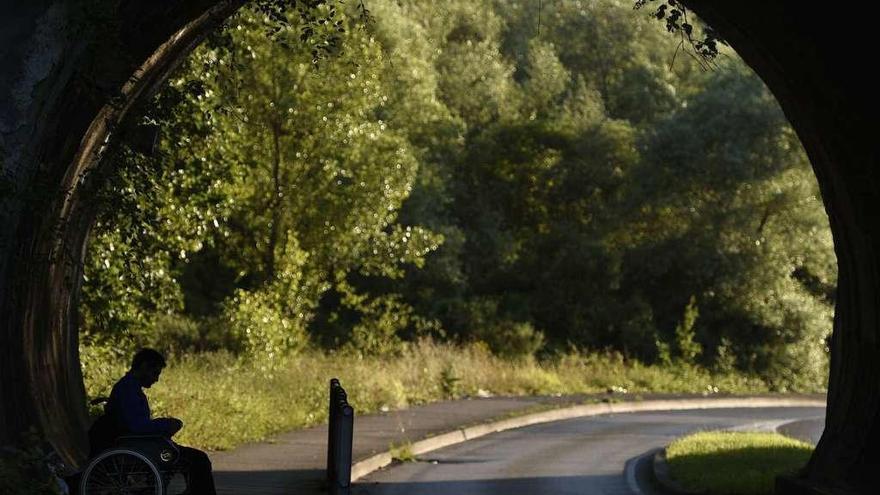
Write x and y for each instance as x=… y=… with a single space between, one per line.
x=59 y=107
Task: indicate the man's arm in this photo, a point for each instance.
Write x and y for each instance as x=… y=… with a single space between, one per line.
x=135 y=415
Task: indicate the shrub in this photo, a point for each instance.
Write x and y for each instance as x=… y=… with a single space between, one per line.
x=382 y=320
x=725 y=358
x=513 y=340
x=102 y=364
x=449 y=382
x=267 y=334
x=173 y=333
x=688 y=348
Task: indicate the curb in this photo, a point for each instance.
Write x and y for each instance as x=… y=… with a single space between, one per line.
x=667 y=485
x=378 y=461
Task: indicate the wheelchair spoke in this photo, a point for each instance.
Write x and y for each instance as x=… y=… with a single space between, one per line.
x=117 y=469
x=103 y=477
x=100 y=483
x=122 y=473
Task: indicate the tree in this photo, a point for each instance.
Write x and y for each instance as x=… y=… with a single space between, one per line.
x=301 y=179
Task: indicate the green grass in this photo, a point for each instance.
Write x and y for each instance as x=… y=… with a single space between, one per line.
x=225 y=401
x=721 y=463
x=402 y=452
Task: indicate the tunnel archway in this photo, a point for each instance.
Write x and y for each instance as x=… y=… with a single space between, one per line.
x=61 y=105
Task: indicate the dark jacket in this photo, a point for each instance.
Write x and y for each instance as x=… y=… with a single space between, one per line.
x=126 y=413
x=130 y=410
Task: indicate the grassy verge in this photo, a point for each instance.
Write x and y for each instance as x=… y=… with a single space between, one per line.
x=722 y=463
x=225 y=401
x=402 y=452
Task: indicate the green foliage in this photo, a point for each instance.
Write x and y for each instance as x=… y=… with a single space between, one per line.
x=512 y=339
x=102 y=365
x=675 y=16
x=685 y=345
x=449 y=382
x=177 y=334
x=725 y=359
x=256 y=319
x=462 y=172
x=259 y=189
x=402 y=452
x=746 y=237
x=382 y=318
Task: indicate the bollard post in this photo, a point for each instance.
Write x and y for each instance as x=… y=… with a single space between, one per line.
x=345 y=426
x=331 y=429
x=339 y=441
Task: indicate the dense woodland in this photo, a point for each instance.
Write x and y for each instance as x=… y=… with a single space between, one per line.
x=543 y=178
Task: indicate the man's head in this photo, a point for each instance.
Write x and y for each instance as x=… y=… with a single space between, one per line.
x=146 y=366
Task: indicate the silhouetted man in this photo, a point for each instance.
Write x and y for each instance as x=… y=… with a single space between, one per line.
x=130 y=411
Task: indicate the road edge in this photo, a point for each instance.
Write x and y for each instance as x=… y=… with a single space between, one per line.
x=667 y=485
x=375 y=462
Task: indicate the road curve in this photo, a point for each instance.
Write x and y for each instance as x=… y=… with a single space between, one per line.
x=592 y=455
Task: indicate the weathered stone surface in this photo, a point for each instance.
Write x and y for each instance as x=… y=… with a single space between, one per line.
x=810 y=60
x=67 y=82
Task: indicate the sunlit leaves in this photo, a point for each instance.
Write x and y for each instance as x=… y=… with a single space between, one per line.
x=679 y=20
x=460 y=169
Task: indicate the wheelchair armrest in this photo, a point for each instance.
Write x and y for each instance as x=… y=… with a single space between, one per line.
x=143 y=437
x=158 y=447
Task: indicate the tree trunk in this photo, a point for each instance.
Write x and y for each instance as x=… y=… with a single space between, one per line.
x=811 y=59
x=276 y=203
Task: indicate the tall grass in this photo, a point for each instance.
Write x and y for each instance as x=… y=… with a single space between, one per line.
x=225 y=401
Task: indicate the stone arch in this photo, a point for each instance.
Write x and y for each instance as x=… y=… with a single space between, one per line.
x=64 y=114
x=56 y=114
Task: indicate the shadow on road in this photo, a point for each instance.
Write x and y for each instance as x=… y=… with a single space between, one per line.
x=276 y=482
x=551 y=485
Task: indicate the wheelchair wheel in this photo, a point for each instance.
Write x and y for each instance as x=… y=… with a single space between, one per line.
x=121 y=472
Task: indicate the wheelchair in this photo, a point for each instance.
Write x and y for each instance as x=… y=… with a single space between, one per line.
x=135 y=465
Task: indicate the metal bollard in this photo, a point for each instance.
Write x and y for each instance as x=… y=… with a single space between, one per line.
x=339 y=440
x=345 y=428
x=331 y=429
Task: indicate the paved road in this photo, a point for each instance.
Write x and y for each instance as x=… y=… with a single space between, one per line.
x=596 y=455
